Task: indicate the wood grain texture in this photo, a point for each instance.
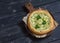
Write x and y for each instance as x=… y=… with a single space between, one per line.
x=12 y=29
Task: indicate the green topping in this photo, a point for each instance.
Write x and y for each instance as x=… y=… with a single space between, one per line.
x=44 y=22
x=38 y=17
x=37 y=26
x=40 y=21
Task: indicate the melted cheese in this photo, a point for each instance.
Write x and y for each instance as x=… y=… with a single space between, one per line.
x=40 y=21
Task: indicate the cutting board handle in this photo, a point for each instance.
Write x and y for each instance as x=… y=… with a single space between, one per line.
x=29 y=6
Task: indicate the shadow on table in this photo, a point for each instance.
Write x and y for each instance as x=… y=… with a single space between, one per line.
x=26 y=33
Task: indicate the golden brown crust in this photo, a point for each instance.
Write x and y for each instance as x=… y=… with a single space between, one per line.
x=33 y=30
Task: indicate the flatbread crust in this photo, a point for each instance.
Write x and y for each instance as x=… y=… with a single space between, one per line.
x=33 y=30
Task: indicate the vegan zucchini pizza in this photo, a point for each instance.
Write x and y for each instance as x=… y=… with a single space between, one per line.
x=40 y=22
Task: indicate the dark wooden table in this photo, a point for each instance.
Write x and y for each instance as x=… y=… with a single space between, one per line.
x=12 y=29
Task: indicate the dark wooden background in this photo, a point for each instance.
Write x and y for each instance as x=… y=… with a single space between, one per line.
x=12 y=29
